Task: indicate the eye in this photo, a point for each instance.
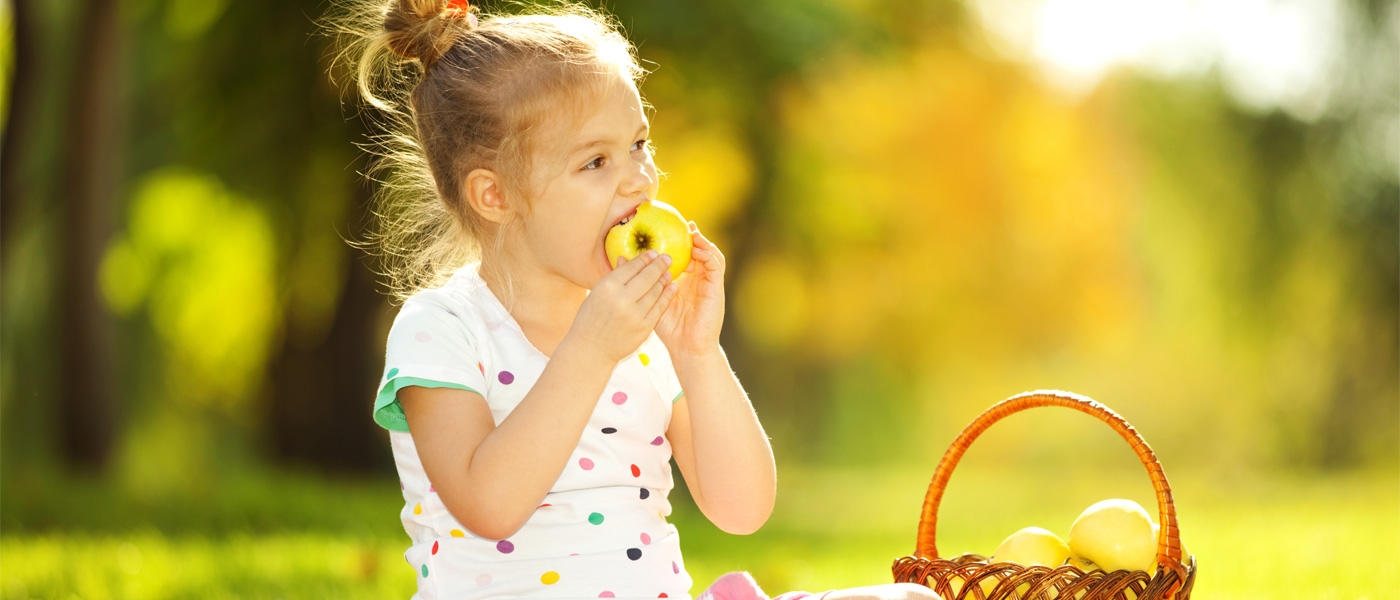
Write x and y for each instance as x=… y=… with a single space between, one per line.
x=643 y=145
x=594 y=164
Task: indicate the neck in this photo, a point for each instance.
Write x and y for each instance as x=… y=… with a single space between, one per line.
x=534 y=296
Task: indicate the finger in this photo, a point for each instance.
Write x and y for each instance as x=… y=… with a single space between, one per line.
x=668 y=293
x=706 y=259
x=652 y=271
x=648 y=299
x=703 y=243
x=627 y=269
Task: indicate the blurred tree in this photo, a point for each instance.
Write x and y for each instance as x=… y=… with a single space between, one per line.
x=255 y=108
x=88 y=400
x=19 y=114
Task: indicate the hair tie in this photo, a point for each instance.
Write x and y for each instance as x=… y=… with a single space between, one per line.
x=460 y=9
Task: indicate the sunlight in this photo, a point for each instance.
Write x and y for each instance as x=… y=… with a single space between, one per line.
x=1269 y=53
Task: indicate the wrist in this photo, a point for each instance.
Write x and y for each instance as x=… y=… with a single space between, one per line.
x=579 y=349
x=698 y=359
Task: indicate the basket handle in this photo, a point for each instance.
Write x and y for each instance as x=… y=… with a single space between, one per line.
x=1168 y=539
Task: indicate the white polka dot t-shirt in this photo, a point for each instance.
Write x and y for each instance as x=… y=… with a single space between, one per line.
x=601 y=531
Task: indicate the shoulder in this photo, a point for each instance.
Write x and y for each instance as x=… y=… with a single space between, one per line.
x=456 y=305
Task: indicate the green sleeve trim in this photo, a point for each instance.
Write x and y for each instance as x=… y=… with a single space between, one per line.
x=678 y=397
x=388 y=413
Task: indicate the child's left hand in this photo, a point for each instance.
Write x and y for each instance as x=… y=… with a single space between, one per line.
x=692 y=322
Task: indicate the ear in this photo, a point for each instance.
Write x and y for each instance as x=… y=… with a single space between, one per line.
x=486 y=197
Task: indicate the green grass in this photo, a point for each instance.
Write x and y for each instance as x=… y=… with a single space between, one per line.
x=259 y=535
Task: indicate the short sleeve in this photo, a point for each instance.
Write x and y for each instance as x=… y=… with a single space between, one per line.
x=428 y=346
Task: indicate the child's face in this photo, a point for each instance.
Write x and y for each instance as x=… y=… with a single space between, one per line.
x=606 y=171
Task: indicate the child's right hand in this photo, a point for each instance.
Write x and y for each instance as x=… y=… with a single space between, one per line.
x=624 y=307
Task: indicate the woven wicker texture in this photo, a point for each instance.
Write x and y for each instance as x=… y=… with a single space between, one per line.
x=970 y=576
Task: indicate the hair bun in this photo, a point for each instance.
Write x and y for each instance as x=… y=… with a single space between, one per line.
x=424 y=30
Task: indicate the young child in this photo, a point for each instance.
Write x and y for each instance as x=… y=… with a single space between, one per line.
x=534 y=393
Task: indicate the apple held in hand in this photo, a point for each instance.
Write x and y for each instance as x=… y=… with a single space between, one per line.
x=655 y=226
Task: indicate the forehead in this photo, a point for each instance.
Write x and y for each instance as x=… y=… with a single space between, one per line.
x=610 y=113
x=613 y=114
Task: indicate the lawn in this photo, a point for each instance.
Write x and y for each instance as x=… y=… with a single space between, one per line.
x=260 y=535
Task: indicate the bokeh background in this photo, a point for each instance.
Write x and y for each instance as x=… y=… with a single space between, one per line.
x=1184 y=209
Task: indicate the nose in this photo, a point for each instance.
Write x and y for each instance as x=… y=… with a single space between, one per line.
x=642 y=179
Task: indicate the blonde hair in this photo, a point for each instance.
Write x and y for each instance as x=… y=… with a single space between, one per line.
x=452 y=97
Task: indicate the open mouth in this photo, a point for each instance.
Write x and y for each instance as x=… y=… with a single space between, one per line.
x=625 y=218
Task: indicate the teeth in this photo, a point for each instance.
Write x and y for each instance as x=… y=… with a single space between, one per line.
x=624 y=221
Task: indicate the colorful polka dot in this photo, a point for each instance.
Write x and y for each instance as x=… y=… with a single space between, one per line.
x=483 y=579
x=392 y=372
x=636 y=472
x=549 y=578
x=596 y=518
x=607 y=595
x=423 y=337
x=431 y=489
x=662 y=595
x=634 y=553
x=482 y=368
x=505 y=547
x=585 y=464
x=435 y=546
x=646 y=360
x=425 y=570
x=418 y=508
x=610 y=430
x=505 y=377
x=675 y=568
x=658 y=441
x=546 y=505
x=458 y=533
x=645 y=493
x=646 y=539
x=619 y=398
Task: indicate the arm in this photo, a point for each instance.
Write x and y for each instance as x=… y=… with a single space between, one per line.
x=492 y=478
x=720 y=446
x=715 y=436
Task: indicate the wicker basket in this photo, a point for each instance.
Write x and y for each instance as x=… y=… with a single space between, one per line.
x=970 y=576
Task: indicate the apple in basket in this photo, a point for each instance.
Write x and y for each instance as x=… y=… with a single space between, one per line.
x=1115 y=534
x=655 y=226
x=1081 y=563
x=1032 y=546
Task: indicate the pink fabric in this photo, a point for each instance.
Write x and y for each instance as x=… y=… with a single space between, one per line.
x=741 y=586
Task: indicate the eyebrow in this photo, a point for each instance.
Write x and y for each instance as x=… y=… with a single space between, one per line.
x=596 y=143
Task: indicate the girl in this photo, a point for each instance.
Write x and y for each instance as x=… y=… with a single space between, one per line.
x=534 y=393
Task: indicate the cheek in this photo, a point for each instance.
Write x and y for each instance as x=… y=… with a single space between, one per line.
x=655 y=180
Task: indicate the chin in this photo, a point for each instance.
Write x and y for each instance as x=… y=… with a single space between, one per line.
x=602 y=270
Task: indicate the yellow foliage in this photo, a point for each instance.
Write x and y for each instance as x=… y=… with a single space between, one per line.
x=771 y=300
x=203 y=261
x=942 y=193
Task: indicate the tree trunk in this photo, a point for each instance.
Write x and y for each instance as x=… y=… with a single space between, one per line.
x=88 y=396
x=17 y=122
x=322 y=396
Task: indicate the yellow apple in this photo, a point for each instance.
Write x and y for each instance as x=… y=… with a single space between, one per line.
x=1032 y=546
x=1081 y=563
x=655 y=226
x=1115 y=535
